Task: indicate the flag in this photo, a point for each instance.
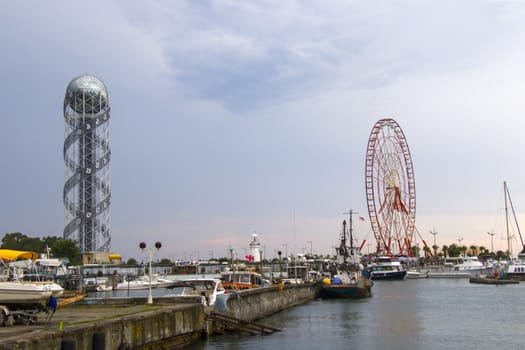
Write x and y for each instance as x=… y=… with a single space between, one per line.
x=361 y=218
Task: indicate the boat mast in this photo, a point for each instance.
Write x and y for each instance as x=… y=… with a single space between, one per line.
x=507 y=194
x=350 y=229
x=505 y=191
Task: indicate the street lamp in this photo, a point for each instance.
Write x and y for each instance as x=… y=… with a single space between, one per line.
x=491 y=233
x=434 y=233
x=280 y=265
x=311 y=250
x=142 y=246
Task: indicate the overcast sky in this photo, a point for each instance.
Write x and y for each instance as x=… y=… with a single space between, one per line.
x=235 y=117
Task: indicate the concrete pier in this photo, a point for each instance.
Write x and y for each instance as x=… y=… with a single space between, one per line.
x=253 y=304
x=86 y=327
x=124 y=323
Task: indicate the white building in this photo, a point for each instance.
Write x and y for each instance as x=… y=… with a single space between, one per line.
x=255 y=248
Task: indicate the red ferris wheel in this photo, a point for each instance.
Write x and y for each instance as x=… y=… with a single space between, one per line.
x=390 y=188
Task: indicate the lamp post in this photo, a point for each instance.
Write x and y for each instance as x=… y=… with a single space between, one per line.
x=434 y=233
x=459 y=243
x=142 y=246
x=311 y=250
x=280 y=265
x=261 y=260
x=491 y=234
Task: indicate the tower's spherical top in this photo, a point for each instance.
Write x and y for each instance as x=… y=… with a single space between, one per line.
x=86 y=94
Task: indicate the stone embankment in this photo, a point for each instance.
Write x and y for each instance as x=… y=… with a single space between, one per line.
x=130 y=324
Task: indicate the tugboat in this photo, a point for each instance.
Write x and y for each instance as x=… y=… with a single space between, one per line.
x=349 y=279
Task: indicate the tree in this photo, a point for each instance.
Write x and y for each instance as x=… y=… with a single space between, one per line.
x=132 y=262
x=435 y=247
x=67 y=248
x=454 y=250
x=426 y=249
x=463 y=249
x=19 y=241
x=473 y=250
x=445 y=250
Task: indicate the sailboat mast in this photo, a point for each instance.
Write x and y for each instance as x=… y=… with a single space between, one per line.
x=505 y=190
x=515 y=218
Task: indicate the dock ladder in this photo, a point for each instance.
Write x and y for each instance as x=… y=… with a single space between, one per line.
x=236 y=324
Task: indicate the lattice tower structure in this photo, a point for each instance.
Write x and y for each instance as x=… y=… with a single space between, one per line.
x=86 y=152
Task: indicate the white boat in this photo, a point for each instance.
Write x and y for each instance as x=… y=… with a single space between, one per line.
x=516 y=269
x=208 y=288
x=103 y=288
x=414 y=274
x=164 y=282
x=470 y=264
x=139 y=283
x=387 y=268
x=448 y=274
x=24 y=293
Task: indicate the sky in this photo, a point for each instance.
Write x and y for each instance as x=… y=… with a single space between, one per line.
x=234 y=117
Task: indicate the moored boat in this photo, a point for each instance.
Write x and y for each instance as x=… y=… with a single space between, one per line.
x=492 y=280
x=241 y=279
x=387 y=268
x=470 y=264
x=414 y=274
x=349 y=278
x=24 y=293
x=142 y=282
x=208 y=288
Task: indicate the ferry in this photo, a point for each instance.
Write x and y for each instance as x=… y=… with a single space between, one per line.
x=387 y=268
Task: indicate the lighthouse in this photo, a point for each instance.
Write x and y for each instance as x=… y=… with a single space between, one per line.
x=255 y=248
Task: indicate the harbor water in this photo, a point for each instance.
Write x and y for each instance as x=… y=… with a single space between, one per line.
x=435 y=313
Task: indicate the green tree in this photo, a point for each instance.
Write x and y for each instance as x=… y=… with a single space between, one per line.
x=67 y=248
x=454 y=250
x=19 y=241
x=132 y=262
x=445 y=250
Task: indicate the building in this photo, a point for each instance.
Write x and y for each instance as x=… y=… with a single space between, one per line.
x=86 y=154
x=255 y=248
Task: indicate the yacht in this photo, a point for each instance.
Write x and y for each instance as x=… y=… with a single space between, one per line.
x=470 y=264
x=387 y=268
x=142 y=282
x=516 y=269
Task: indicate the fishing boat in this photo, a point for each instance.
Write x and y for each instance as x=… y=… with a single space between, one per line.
x=349 y=278
x=241 y=279
x=387 y=268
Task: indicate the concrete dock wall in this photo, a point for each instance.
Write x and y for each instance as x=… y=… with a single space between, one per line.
x=253 y=304
x=167 y=326
x=130 y=324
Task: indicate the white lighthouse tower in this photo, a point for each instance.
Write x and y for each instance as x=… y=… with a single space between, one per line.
x=255 y=248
